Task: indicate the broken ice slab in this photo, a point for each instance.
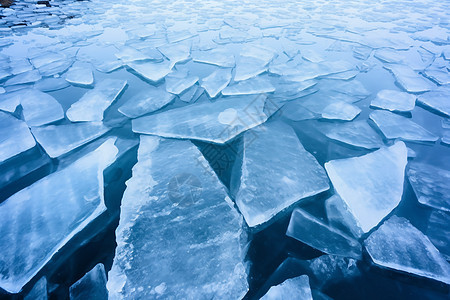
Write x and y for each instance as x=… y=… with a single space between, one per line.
x=48 y=214
x=178 y=83
x=400 y=246
x=15 y=137
x=216 y=81
x=371 y=185
x=218 y=57
x=61 y=139
x=191 y=94
x=39 y=290
x=258 y=51
x=394 y=101
x=128 y=54
x=91 y=286
x=340 y=110
x=40 y=108
x=410 y=80
x=435 y=34
x=249 y=67
x=353 y=88
x=108 y=66
x=19 y=66
x=430 y=184
x=316 y=233
x=294 y=288
x=51 y=84
x=295 y=112
x=153 y=71
x=436 y=101
x=199 y=252
x=256 y=85
x=329 y=269
x=394 y=126
x=308 y=70
x=439 y=75
x=215 y=122
x=55 y=68
x=291 y=173
x=438 y=231
x=340 y=217
x=80 y=74
x=357 y=133
x=94 y=103
x=45 y=58
x=176 y=52
x=148 y=100
x=27 y=77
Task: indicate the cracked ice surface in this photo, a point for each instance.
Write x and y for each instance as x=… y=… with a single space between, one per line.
x=178 y=209
x=262 y=96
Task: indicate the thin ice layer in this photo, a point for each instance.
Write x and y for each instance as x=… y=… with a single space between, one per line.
x=400 y=246
x=371 y=185
x=179 y=236
x=290 y=172
x=40 y=219
x=216 y=122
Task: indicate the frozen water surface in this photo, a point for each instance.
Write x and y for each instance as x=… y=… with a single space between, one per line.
x=274 y=138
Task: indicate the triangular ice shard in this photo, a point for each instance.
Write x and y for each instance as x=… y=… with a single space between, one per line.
x=371 y=185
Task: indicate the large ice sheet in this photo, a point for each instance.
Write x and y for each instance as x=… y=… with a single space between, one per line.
x=61 y=139
x=40 y=108
x=146 y=101
x=410 y=80
x=394 y=126
x=437 y=100
x=91 y=286
x=179 y=236
x=40 y=219
x=319 y=235
x=430 y=184
x=371 y=185
x=394 y=101
x=15 y=137
x=294 y=288
x=216 y=122
x=291 y=173
x=357 y=133
x=400 y=246
x=93 y=104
